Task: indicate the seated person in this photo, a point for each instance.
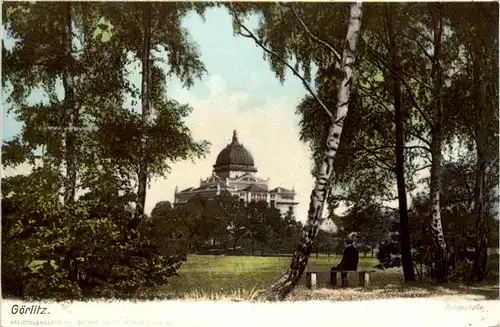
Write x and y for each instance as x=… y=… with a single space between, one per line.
x=350 y=260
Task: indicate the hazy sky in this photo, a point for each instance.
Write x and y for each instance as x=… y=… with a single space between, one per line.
x=238 y=92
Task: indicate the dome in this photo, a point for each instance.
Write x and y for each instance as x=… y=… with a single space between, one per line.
x=234 y=157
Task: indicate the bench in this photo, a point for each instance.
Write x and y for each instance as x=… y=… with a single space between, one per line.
x=363 y=275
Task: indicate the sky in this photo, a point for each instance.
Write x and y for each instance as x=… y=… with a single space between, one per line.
x=239 y=92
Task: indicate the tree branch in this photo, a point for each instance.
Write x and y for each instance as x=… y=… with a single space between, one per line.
x=314 y=37
x=373 y=153
x=251 y=35
x=396 y=74
x=422 y=168
x=411 y=147
x=425 y=37
x=418 y=137
x=416 y=147
x=372 y=95
x=490 y=165
x=427 y=54
x=389 y=208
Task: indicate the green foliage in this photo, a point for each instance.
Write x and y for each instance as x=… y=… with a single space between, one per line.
x=93 y=247
x=370 y=223
x=458 y=217
x=388 y=255
x=364 y=163
x=168 y=35
x=227 y=224
x=87 y=249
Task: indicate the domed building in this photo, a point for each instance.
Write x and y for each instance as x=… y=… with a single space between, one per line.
x=234 y=171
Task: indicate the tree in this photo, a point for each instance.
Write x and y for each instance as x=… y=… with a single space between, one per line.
x=436 y=225
x=324 y=242
x=261 y=224
x=199 y=215
x=370 y=223
x=46 y=60
x=146 y=112
x=159 y=27
x=393 y=64
x=458 y=218
x=92 y=246
x=377 y=129
x=290 y=233
x=475 y=129
x=325 y=169
x=43 y=236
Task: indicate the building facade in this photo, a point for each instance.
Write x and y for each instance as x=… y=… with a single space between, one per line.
x=234 y=171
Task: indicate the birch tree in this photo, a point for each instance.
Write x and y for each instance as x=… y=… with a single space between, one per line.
x=152 y=35
x=324 y=171
x=476 y=38
x=145 y=108
x=94 y=242
x=71 y=112
x=435 y=189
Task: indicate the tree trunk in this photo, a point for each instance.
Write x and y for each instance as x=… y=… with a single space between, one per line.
x=324 y=172
x=143 y=165
x=70 y=110
x=406 y=258
x=372 y=251
x=253 y=246
x=70 y=117
x=441 y=266
x=481 y=247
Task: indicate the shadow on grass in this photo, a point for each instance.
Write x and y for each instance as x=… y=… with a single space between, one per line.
x=245 y=278
x=390 y=283
x=250 y=287
x=396 y=291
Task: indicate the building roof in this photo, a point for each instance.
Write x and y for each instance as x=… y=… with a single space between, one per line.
x=234 y=157
x=187 y=190
x=281 y=190
x=255 y=188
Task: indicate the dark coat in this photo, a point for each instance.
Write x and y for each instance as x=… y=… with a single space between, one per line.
x=350 y=259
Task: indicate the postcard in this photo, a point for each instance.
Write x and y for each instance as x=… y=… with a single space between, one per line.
x=251 y=163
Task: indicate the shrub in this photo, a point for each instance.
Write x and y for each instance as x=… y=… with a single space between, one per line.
x=92 y=248
x=388 y=255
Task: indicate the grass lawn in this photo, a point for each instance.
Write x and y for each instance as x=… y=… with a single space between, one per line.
x=244 y=277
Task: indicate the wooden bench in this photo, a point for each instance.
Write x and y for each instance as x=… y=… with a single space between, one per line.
x=363 y=275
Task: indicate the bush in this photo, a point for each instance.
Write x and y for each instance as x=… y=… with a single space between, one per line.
x=93 y=248
x=492 y=267
x=388 y=255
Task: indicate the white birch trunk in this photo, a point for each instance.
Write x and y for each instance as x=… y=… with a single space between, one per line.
x=436 y=224
x=481 y=247
x=325 y=169
x=146 y=111
x=70 y=111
